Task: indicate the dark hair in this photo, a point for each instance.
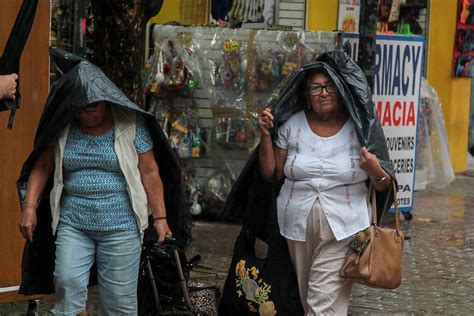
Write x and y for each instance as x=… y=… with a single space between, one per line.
x=310 y=73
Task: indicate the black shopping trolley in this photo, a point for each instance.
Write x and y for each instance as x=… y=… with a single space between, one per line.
x=163 y=276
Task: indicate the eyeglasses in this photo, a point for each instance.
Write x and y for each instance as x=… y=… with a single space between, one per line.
x=90 y=108
x=316 y=89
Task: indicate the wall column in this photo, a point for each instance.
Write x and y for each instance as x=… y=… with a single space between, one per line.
x=453 y=92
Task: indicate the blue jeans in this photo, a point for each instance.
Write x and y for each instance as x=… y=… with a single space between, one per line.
x=117 y=254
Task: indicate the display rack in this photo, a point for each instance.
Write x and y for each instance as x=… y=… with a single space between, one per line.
x=206 y=86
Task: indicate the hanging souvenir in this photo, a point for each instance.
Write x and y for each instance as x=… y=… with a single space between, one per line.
x=175 y=67
x=179 y=138
x=154 y=73
x=254 y=83
x=223 y=130
x=294 y=54
x=193 y=191
x=175 y=70
x=194 y=135
x=183 y=147
x=191 y=61
x=231 y=70
x=230 y=129
x=240 y=136
x=219 y=184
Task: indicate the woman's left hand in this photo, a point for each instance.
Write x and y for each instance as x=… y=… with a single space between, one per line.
x=162 y=229
x=370 y=163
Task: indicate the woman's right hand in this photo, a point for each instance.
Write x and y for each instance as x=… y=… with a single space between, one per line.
x=27 y=223
x=8 y=86
x=265 y=121
x=162 y=229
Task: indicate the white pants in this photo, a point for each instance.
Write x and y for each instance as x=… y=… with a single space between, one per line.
x=317 y=262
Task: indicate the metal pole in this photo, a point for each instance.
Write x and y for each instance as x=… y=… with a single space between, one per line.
x=156 y=296
x=182 y=281
x=367 y=38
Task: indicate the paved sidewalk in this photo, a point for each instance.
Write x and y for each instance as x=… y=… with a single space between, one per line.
x=438 y=259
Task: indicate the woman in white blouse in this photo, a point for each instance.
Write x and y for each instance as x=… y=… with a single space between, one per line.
x=322 y=202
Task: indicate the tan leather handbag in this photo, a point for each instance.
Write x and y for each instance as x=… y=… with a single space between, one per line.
x=375 y=257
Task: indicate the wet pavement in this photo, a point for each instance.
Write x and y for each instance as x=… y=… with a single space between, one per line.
x=438 y=274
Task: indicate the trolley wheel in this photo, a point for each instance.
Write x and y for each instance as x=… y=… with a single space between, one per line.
x=407 y=215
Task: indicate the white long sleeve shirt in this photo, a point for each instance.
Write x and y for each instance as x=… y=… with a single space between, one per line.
x=327 y=168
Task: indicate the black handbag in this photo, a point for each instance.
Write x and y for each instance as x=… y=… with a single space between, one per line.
x=261 y=286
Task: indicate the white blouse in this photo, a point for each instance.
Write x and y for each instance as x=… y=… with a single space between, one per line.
x=321 y=167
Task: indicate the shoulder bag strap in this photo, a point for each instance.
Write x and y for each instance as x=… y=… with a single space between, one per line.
x=372 y=195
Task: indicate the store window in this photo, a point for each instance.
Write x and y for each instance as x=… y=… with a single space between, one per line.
x=401 y=17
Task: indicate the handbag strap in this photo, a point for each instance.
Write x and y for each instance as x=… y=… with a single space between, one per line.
x=395 y=206
x=373 y=201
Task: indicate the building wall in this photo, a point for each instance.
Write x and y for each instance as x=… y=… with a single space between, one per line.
x=321 y=15
x=189 y=12
x=170 y=11
x=16 y=144
x=453 y=92
x=290 y=13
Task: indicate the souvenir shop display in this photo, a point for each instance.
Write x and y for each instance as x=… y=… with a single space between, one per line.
x=203 y=81
x=464 y=41
x=433 y=163
x=400 y=17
